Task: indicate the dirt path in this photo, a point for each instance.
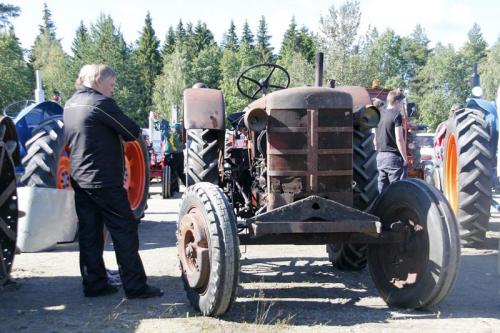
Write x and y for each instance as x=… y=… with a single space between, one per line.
x=283 y=288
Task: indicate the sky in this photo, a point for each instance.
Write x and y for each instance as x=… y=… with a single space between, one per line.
x=444 y=21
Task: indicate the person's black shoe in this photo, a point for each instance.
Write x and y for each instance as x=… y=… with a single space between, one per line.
x=149 y=292
x=108 y=290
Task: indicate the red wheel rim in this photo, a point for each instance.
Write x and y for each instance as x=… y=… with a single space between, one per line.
x=63 y=170
x=135 y=173
x=451 y=173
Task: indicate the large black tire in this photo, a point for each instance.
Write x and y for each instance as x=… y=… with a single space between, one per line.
x=471 y=200
x=43 y=150
x=166 y=184
x=346 y=256
x=8 y=198
x=203 y=154
x=206 y=206
x=420 y=271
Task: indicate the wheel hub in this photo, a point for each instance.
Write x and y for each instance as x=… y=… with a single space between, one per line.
x=406 y=261
x=193 y=250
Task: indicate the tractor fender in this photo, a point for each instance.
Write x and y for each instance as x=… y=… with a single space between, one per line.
x=203 y=109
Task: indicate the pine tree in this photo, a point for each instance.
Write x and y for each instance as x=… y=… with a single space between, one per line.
x=180 y=33
x=230 y=40
x=148 y=62
x=47 y=55
x=202 y=37
x=206 y=67
x=263 y=44
x=16 y=81
x=8 y=12
x=474 y=49
x=247 y=35
x=48 y=27
x=110 y=48
x=290 y=39
x=169 y=45
x=82 y=48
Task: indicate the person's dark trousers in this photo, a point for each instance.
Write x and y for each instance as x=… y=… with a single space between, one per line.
x=178 y=166
x=390 y=169
x=109 y=207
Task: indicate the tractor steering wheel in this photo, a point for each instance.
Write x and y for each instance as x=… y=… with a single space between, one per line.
x=264 y=85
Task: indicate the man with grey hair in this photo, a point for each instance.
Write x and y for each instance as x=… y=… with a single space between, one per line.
x=94 y=129
x=391 y=148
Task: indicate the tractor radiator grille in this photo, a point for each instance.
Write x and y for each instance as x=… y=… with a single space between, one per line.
x=309 y=152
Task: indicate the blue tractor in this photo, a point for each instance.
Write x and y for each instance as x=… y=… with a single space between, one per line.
x=466 y=168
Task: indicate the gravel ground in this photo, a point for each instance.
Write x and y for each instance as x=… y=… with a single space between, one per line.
x=282 y=288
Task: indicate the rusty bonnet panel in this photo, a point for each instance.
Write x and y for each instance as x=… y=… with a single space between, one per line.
x=203 y=108
x=309 y=145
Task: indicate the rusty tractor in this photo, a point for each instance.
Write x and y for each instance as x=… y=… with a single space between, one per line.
x=298 y=166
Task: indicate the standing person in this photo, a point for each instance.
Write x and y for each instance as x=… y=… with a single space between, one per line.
x=177 y=155
x=391 y=148
x=174 y=155
x=94 y=128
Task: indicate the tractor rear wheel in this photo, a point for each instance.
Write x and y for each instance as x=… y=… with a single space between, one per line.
x=346 y=256
x=208 y=248
x=468 y=163
x=420 y=271
x=203 y=153
x=46 y=163
x=8 y=198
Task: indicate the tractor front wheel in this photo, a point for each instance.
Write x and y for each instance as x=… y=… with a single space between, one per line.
x=420 y=271
x=208 y=248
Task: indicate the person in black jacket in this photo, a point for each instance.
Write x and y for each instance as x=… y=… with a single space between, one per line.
x=94 y=130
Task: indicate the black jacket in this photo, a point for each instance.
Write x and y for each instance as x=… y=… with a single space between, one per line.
x=93 y=125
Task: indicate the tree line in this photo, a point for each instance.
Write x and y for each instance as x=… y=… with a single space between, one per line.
x=152 y=76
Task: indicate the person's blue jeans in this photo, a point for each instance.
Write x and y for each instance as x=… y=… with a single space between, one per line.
x=390 y=169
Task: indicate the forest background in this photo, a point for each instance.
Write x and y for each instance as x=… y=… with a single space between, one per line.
x=152 y=76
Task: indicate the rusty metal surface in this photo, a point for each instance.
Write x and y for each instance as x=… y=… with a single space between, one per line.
x=313 y=208
x=309 y=146
x=203 y=108
x=360 y=96
x=315 y=227
x=313 y=215
x=192 y=246
x=320 y=239
x=308 y=98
